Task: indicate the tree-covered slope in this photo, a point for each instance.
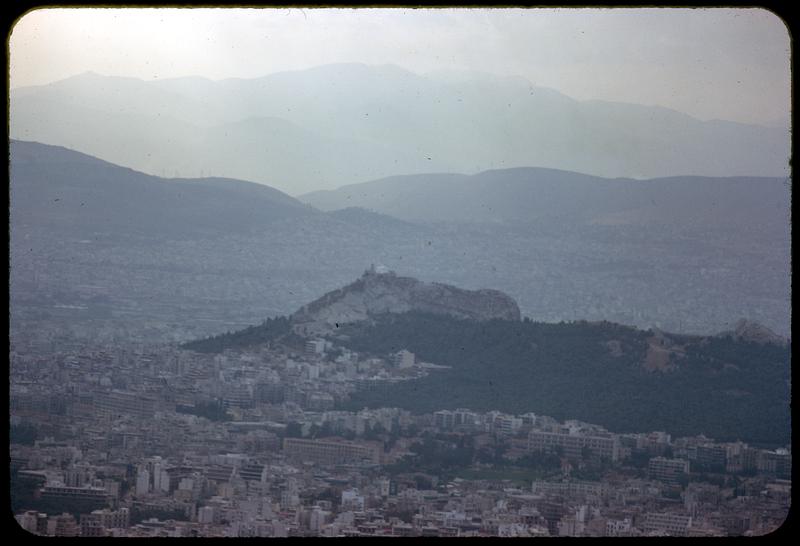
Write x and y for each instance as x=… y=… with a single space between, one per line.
x=269 y=330
x=594 y=372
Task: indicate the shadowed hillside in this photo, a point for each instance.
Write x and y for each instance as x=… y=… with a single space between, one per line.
x=597 y=372
x=66 y=190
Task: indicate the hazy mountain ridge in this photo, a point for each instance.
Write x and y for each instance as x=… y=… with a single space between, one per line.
x=528 y=194
x=198 y=261
x=75 y=192
x=364 y=122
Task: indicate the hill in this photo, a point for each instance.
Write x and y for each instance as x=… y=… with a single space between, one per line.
x=380 y=291
x=537 y=194
x=729 y=386
x=96 y=247
x=214 y=254
x=723 y=387
x=376 y=293
x=62 y=190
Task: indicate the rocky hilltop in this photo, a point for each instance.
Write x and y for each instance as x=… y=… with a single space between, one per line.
x=380 y=290
x=748 y=330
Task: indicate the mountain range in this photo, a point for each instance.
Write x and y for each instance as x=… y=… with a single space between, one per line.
x=538 y=194
x=211 y=253
x=332 y=125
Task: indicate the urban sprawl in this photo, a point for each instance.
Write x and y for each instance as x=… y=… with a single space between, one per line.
x=125 y=440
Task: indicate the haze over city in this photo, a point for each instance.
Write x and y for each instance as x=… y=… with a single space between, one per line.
x=400 y=272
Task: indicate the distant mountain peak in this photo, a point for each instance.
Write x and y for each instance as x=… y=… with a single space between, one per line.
x=380 y=290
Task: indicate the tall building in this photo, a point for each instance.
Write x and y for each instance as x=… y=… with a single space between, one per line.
x=507 y=424
x=76 y=477
x=778 y=462
x=352 y=500
x=573 y=444
x=667 y=470
x=618 y=528
x=98 y=522
x=711 y=457
x=63 y=526
x=206 y=515
x=444 y=419
x=572 y=488
x=404 y=359
x=33 y=522
x=114 y=519
x=143 y=482
x=464 y=417
x=315 y=347
x=119 y=403
x=95 y=497
x=317 y=519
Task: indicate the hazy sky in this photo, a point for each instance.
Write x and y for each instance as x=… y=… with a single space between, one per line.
x=710 y=63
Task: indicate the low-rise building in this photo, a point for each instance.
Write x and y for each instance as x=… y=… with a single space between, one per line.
x=332 y=451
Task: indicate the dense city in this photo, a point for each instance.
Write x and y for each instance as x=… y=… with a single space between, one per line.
x=201 y=287
x=131 y=440
x=574 y=316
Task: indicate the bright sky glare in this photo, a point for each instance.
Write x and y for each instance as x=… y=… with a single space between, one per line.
x=731 y=63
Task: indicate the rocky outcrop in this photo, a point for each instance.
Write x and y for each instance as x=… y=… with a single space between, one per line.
x=748 y=330
x=381 y=291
